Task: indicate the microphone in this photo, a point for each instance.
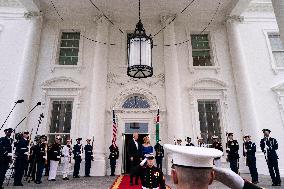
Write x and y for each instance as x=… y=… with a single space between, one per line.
x=41 y=115
x=38 y=103
x=19 y=101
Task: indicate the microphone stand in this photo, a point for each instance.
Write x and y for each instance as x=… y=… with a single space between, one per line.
x=18 y=101
x=39 y=122
x=38 y=104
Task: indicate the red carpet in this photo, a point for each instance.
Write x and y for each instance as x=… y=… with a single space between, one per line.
x=122 y=182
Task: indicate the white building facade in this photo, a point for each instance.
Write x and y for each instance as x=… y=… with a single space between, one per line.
x=218 y=68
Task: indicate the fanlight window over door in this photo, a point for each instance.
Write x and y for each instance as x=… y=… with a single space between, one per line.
x=136 y=102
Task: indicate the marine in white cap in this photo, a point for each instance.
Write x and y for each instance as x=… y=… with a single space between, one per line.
x=193 y=169
x=66 y=153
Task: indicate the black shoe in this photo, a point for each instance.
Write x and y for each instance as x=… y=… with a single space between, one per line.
x=87 y=176
x=112 y=175
x=131 y=184
x=76 y=176
x=136 y=183
x=255 y=182
x=38 y=182
x=274 y=184
x=66 y=178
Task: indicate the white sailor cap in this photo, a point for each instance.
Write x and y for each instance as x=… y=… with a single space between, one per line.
x=189 y=156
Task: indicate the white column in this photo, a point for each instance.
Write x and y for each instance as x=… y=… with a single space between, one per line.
x=25 y=81
x=278 y=6
x=242 y=81
x=172 y=83
x=98 y=98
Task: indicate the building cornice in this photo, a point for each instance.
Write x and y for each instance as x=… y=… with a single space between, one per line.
x=260 y=7
x=10 y=3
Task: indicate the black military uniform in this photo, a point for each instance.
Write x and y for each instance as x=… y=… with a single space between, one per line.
x=34 y=151
x=41 y=159
x=159 y=149
x=113 y=156
x=151 y=177
x=269 y=146
x=233 y=154
x=249 y=152
x=217 y=145
x=54 y=155
x=77 y=150
x=22 y=152
x=88 y=158
x=189 y=143
x=5 y=154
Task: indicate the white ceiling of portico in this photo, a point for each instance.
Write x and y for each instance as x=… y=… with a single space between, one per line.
x=127 y=10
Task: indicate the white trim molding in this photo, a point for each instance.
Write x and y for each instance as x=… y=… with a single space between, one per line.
x=62 y=88
x=208 y=89
x=56 y=46
x=274 y=67
x=279 y=91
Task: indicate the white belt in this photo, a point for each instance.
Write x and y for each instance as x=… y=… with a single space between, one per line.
x=148 y=188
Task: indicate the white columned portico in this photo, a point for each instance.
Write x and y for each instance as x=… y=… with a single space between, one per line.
x=172 y=83
x=25 y=81
x=242 y=82
x=278 y=6
x=98 y=97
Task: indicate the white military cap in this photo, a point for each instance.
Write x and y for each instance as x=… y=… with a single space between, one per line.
x=190 y=156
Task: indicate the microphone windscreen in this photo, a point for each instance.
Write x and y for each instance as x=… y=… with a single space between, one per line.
x=20 y=101
x=38 y=104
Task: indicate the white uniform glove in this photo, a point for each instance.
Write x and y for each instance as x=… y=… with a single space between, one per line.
x=229 y=178
x=143 y=162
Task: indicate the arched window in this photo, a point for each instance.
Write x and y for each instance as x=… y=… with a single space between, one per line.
x=136 y=102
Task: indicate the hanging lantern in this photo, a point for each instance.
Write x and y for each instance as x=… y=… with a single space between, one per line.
x=139 y=52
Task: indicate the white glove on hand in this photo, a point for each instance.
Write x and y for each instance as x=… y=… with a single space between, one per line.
x=27 y=153
x=10 y=154
x=143 y=162
x=229 y=178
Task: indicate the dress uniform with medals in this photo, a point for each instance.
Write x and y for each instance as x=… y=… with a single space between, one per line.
x=232 y=148
x=151 y=176
x=54 y=156
x=249 y=152
x=41 y=158
x=195 y=160
x=269 y=146
x=77 y=152
x=217 y=145
x=5 y=154
x=88 y=157
x=113 y=156
x=159 y=155
x=22 y=154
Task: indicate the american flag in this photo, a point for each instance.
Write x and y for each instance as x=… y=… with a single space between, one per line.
x=114 y=128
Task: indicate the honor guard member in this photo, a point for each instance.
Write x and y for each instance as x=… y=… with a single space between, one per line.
x=88 y=157
x=113 y=156
x=34 y=154
x=179 y=141
x=77 y=152
x=22 y=155
x=41 y=159
x=5 y=154
x=151 y=177
x=249 y=149
x=232 y=149
x=66 y=154
x=201 y=142
x=54 y=153
x=269 y=146
x=189 y=143
x=159 y=149
x=193 y=168
x=217 y=145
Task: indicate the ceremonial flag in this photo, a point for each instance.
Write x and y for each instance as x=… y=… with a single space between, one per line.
x=158 y=126
x=114 y=128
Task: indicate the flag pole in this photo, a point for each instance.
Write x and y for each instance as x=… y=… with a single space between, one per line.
x=158 y=126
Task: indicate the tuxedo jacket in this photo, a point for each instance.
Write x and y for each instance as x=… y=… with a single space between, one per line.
x=133 y=151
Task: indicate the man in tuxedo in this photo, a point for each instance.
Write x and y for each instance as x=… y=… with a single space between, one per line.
x=134 y=153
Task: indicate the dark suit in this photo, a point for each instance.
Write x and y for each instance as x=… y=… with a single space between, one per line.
x=134 y=152
x=233 y=155
x=5 y=158
x=268 y=147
